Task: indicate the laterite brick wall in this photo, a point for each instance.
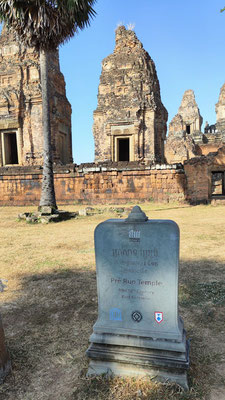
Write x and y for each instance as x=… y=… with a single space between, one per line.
x=198 y=173
x=95 y=183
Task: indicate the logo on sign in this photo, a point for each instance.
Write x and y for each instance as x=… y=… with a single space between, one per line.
x=115 y=314
x=134 y=235
x=158 y=316
x=136 y=316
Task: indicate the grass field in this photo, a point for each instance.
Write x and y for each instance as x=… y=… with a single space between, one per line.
x=50 y=305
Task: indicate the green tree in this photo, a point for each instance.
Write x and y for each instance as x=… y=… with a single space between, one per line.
x=45 y=24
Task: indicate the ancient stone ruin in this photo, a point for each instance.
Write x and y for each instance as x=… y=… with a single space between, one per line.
x=185 y=139
x=188 y=119
x=220 y=114
x=134 y=160
x=21 y=139
x=130 y=119
x=213 y=137
x=184 y=130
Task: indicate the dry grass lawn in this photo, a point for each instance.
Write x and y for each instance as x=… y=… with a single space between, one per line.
x=50 y=305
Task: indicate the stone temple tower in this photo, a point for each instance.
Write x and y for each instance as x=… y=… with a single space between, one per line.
x=130 y=119
x=184 y=131
x=21 y=138
x=220 y=112
x=188 y=119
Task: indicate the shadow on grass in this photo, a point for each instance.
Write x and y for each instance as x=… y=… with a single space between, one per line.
x=48 y=326
x=172 y=208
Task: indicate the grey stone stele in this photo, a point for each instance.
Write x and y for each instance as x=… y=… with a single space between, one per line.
x=138 y=331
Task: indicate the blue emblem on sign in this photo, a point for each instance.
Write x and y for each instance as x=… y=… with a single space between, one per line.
x=158 y=316
x=115 y=314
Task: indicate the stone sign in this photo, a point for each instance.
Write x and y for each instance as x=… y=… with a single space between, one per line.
x=138 y=330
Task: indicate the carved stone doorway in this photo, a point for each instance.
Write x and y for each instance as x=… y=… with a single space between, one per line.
x=9 y=148
x=218 y=184
x=188 y=129
x=123 y=148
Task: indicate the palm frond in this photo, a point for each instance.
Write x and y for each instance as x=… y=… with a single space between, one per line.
x=45 y=24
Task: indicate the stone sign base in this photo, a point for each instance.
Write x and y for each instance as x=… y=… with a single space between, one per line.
x=166 y=364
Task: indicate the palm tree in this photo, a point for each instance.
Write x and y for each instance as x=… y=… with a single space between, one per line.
x=45 y=24
x=5 y=364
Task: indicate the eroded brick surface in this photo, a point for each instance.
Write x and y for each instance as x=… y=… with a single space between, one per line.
x=220 y=112
x=129 y=104
x=94 y=183
x=21 y=106
x=199 y=172
x=184 y=131
x=200 y=180
x=185 y=139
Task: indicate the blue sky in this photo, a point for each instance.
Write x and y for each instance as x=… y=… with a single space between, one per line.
x=186 y=40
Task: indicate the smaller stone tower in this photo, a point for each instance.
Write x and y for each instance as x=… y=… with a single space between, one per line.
x=184 y=131
x=220 y=112
x=130 y=119
x=188 y=119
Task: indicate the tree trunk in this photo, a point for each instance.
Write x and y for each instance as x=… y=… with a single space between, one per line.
x=47 y=191
x=5 y=364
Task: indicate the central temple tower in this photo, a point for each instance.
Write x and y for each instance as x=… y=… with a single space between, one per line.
x=130 y=119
